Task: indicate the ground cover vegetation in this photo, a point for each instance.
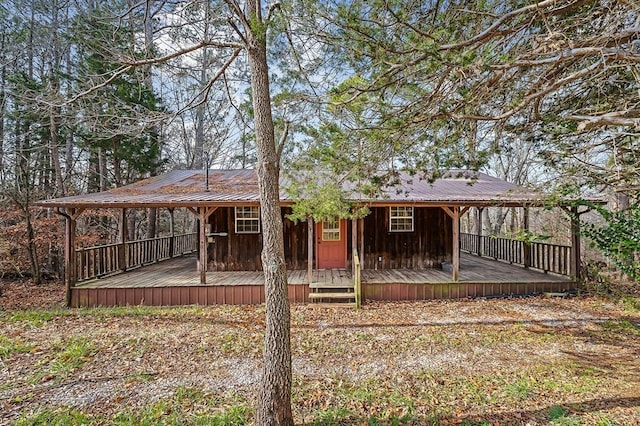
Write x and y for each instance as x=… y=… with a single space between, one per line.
x=482 y=362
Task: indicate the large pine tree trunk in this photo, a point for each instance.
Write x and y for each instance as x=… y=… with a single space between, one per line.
x=274 y=399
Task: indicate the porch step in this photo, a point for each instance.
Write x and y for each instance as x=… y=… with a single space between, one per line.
x=350 y=305
x=331 y=285
x=334 y=295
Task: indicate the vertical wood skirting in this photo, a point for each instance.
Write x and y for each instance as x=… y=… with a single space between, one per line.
x=309 y=249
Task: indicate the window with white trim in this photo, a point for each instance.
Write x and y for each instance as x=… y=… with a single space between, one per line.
x=400 y=219
x=331 y=230
x=248 y=220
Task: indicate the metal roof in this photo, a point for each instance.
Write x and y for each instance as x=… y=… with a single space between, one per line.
x=182 y=188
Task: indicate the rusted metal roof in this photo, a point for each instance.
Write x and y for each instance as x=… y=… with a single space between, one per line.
x=186 y=188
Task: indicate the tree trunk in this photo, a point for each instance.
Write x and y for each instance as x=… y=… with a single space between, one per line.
x=274 y=398
x=152 y=219
x=55 y=153
x=152 y=213
x=131 y=225
x=31 y=247
x=3 y=74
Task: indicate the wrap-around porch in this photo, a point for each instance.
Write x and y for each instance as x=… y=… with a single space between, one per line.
x=177 y=282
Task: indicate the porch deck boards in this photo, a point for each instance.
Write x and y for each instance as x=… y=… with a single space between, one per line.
x=181 y=272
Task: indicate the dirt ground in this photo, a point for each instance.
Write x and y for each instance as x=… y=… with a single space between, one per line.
x=475 y=362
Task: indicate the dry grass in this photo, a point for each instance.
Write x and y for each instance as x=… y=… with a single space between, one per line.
x=523 y=361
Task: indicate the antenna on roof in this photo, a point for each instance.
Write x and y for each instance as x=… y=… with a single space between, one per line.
x=207 y=160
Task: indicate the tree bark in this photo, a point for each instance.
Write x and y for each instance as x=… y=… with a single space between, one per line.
x=3 y=74
x=32 y=248
x=55 y=153
x=274 y=398
x=152 y=213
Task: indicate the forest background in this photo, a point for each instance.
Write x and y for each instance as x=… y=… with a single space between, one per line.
x=96 y=95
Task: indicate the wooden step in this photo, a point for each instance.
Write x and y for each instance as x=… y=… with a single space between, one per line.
x=350 y=305
x=330 y=285
x=333 y=295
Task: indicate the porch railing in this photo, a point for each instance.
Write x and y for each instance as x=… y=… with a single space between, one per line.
x=546 y=257
x=357 y=278
x=98 y=261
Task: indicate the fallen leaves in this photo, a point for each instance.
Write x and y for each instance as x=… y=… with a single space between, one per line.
x=498 y=361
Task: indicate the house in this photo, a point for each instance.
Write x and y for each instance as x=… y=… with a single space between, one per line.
x=411 y=227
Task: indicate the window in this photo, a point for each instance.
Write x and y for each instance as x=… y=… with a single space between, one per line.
x=401 y=219
x=248 y=220
x=331 y=230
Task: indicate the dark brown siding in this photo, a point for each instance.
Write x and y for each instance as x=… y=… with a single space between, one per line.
x=241 y=252
x=426 y=247
x=463 y=290
x=254 y=294
x=295 y=242
x=183 y=295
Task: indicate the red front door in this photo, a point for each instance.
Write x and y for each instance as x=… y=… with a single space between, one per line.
x=331 y=244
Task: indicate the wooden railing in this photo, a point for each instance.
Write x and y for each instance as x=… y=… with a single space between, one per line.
x=546 y=257
x=98 y=261
x=357 y=278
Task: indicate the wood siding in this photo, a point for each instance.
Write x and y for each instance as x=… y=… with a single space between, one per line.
x=241 y=252
x=462 y=290
x=253 y=294
x=180 y=295
x=429 y=244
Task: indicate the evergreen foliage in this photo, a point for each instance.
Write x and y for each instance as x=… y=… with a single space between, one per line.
x=618 y=237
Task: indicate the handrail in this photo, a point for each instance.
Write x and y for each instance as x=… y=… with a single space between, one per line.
x=546 y=257
x=97 y=261
x=357 y=278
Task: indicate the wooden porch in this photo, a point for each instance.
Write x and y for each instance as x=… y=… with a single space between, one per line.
x=177 y=282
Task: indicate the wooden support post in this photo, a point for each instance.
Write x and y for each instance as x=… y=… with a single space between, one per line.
x=479 y=211
x=576 y=262
x=526 y=247
x=309 y=249
x=361 y=238
x=202 y=217
x=172 y=232
x=70 y=273
x=456 y=243
x=354 y=237
x=122 y=240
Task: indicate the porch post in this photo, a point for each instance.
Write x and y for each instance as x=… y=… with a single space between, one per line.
x=526 y=247
x=576 y=262
x=172 y=232
x=354 y=239
x=361 y=240
x=309 y=249
x=456 y=242
x=479 y=211
x=202 y=216
x=122 y=240
x=70 y=273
